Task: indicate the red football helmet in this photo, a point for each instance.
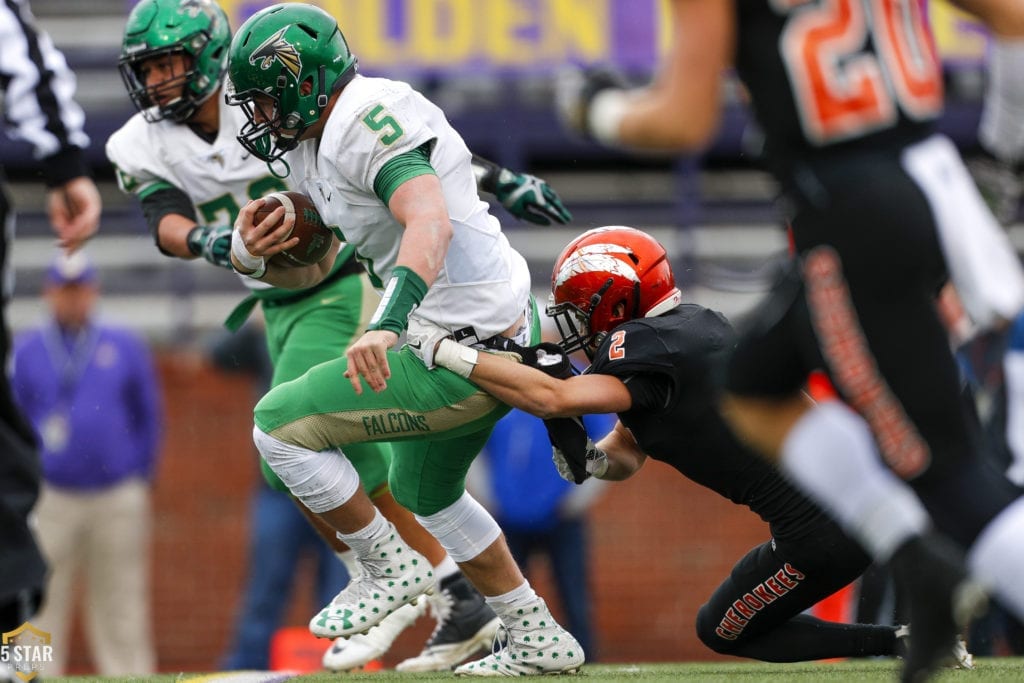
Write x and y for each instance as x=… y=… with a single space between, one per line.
x=598 y=271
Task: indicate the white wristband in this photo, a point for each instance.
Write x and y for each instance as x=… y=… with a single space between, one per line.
x=458 y=358
x=255 y=265
x=606 y=112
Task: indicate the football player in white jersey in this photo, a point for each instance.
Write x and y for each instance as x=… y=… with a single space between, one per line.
x=384 y=165
x=179 y=156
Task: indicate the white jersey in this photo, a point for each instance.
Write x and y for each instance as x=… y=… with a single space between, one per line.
x=219 y=177
x=483 y=284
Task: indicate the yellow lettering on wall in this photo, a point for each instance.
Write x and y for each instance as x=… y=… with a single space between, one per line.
x=442 y=31
x=957 y=34
x=578 y=29
x=369 y=34
x=507 y=25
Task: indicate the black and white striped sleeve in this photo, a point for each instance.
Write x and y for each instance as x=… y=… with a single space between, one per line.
x=38 y=89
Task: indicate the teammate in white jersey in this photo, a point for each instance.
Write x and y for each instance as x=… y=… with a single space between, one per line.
x=179 y=156
x=383 y=165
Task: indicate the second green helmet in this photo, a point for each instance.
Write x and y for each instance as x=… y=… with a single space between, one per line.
x=195 y=29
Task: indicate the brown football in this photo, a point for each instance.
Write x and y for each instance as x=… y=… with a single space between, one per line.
x=314 y=237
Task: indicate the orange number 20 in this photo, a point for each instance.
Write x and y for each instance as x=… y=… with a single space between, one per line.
x=842 y=88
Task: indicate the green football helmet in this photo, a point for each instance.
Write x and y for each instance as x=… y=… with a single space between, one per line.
x=284 y=64
x=197 y=29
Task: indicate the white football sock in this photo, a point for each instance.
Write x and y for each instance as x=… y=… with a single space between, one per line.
x=445 y=568
x=831 y=456
x=362 y=540
x=521 y=596
x=997 y=557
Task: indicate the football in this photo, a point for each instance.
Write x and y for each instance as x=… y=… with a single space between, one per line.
x=314 y=236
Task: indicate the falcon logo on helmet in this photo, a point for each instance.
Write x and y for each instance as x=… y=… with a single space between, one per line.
x=277 y=48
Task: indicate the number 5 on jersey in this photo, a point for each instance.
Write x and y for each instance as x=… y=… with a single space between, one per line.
x=379 y=120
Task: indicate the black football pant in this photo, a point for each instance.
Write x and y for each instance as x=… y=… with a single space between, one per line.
x=757 y=611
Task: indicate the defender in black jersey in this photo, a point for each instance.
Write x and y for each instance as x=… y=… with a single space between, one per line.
x=846 y=93
x=656 y=362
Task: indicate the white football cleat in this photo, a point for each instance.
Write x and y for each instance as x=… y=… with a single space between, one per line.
x=529 y=644
x=359 y=650
x=391 y=576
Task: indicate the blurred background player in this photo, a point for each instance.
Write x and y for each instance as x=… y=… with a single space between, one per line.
x=91 y=392
x=51 y=121
x=384 y=162
x=859 y=167
x=179 y=156
x=657 y=363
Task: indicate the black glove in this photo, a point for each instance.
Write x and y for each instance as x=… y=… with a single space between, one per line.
x=546 y=356
x=571 y=447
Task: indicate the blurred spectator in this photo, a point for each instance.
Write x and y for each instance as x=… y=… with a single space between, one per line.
x=90 y=391
x=541 y=513
x=279 y=535
x=36 y=77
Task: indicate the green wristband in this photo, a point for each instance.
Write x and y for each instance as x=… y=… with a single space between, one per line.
x=404 y=292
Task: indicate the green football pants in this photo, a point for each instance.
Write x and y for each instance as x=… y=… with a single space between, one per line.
x=316 y=329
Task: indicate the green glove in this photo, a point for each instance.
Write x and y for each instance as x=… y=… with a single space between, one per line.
x=213 y=243
x=530 y=198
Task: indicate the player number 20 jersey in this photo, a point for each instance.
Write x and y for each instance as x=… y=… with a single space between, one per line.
x=827 y=73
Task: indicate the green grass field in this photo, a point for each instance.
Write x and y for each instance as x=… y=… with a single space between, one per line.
x=987 y=670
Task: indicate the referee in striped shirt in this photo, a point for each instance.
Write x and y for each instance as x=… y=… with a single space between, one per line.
x=37 y=89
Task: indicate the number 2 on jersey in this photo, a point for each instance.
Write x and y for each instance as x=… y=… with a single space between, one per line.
x=843 y=86
x=617 y=345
